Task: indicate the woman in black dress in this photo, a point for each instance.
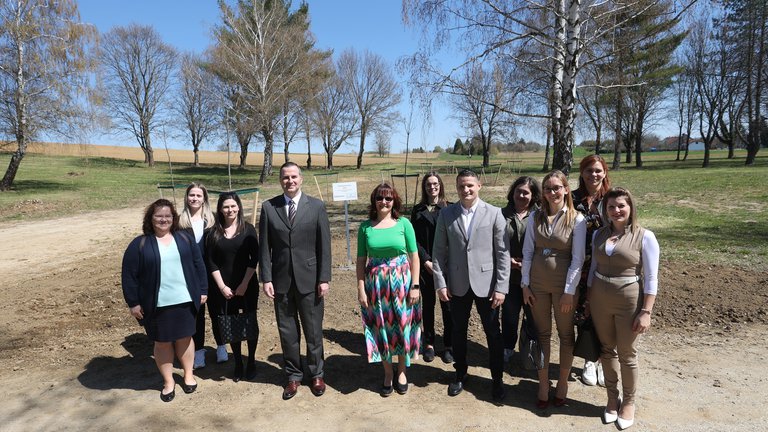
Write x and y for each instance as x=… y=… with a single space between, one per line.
x=164 y=284
x=424 y=220
x=232 y=253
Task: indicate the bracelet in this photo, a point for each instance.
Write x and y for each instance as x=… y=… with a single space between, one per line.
x=648 y=311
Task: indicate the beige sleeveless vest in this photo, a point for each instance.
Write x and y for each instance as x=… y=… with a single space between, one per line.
x=552 y=256
x=627 y=254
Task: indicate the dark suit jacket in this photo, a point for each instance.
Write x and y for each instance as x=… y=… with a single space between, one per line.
x=300 y=253
x=141 y=271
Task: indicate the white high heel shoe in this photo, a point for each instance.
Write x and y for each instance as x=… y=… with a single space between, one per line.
x=623 y=423
x=609 y=418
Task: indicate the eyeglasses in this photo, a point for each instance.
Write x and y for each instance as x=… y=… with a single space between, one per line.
x=380 y=198
x=555 y=189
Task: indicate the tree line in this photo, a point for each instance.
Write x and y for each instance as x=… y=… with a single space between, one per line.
x=612 y=70
x=261 y=79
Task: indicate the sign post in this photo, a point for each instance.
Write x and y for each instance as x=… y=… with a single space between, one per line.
x=346 y=191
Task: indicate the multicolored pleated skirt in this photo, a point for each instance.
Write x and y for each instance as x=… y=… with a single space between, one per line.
x=392 y=326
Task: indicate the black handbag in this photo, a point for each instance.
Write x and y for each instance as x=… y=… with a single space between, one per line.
x=237 y=328
x=587 y=344
x=530 y=349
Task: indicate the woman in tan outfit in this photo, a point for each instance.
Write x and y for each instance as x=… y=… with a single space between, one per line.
x=623 y=280
x=553 y=253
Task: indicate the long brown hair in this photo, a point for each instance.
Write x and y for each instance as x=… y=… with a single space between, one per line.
x=425 y=194
x=217 y=232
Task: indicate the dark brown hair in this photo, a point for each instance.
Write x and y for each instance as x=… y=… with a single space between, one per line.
x=385 y=189
x=217 y=232
x=424 y=192
x=532 y=184
x=147 y=226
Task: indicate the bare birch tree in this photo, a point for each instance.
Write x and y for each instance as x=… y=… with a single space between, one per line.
x=43 y=65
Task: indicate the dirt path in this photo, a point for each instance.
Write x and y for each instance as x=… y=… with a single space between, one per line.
x=72 y=359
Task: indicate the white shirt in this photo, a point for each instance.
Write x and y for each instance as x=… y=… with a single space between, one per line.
x=288 y=202
x=467 y=216
x=650 y=256
x=578 y=245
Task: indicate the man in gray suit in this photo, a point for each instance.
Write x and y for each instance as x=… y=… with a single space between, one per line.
x=295 y=265
x=470 y=260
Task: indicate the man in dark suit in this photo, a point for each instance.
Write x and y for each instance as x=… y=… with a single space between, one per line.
x=295 y=265
x=471 y=265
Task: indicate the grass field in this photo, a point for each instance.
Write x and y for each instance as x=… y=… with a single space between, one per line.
x=713 y=215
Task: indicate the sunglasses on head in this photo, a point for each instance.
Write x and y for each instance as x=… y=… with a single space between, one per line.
x=380 y=198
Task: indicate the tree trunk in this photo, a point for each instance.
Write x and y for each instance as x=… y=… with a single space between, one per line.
x=363 y=132
x=598 y=138
x=13 y=166
x=243 y=155
x=639 y=145
x=197 y=158
x=617 y=142
x=266 y=169
x=329 y=161
x=707 y=143
x=309 y=154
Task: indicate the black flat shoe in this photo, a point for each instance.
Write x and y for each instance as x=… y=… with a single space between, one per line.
x=429 y=354
x=167 y=397
x=400 y=388
x=189 y=388
x=250 y=372
x=385 y=391
x=455 y=388
x=238 y=375
x=448 y=356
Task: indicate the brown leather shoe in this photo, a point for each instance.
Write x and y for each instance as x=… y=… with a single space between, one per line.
x=318 y=386
x=290 y=389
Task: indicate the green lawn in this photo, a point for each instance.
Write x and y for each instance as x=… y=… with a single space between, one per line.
x=713 y=215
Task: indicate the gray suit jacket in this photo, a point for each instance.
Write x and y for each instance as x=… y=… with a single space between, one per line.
x=480 y=262
x=301 y=252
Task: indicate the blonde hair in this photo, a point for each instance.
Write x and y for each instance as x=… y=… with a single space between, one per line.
x=185 y=218
x=570 y=210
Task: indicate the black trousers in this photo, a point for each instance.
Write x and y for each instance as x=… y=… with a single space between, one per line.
x=461 y=308
x=510 y=316
x=296 y=312
x=429 y=298
x=199 y=336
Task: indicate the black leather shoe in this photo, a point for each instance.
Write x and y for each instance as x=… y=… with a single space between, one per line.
x=385 y=391
x=447 y=356
x=400 y=388
x=250 y=372
x=189 y=388
x=498 y=392
x=455 y=388
x=429 y=354
x=167 y=397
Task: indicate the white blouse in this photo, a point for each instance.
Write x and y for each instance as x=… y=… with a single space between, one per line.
x=650 y=254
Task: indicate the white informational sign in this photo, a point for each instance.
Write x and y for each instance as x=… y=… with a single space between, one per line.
x=345 y=191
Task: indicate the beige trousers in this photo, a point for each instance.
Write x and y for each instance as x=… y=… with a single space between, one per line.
x=613 y=310
x=542 y=310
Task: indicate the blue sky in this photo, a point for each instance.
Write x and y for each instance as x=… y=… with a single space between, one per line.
x=336 y=24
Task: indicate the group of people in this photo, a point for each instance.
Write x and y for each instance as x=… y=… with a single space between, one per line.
x=184 y=261
x=550 y=251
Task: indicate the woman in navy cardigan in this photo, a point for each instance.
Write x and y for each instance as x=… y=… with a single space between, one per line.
x=164 y=284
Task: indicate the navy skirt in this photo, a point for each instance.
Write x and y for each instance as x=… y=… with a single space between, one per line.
x=171 y=323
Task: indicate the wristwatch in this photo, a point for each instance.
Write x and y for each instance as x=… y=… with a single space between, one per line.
x=415 y=286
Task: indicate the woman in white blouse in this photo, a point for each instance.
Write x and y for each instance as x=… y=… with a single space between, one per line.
x=623 y=280
x=553 y=254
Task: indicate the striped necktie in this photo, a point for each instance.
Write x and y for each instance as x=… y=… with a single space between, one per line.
x=291 y=212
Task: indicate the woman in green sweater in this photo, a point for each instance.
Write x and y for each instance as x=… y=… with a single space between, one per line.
x=387 y=287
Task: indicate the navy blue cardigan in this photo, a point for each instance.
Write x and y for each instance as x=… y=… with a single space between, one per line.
x=141 y=271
